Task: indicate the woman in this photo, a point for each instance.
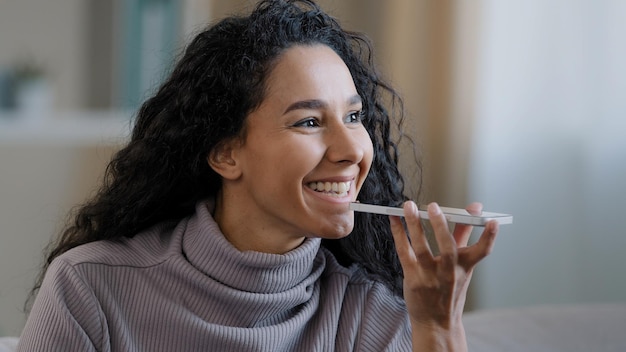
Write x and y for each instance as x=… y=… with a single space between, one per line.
x=224 y=223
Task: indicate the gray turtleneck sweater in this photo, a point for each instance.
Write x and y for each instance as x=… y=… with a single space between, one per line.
x=184 y=287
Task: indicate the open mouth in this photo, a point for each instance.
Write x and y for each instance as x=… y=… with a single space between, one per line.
x=334 y=189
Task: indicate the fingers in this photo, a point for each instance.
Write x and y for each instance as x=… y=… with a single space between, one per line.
x=403 y=247
x=445 y=241
x=462 y=232
x=417 y=248
x=416 y=232
x=470 y=256
x=452 y=247
x=474 y=208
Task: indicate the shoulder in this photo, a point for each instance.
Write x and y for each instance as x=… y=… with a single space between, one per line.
x=149 y=247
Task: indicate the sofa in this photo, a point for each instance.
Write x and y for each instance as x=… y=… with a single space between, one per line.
x=8 y=344
x=554 y=328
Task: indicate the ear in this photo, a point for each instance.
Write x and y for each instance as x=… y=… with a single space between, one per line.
x=223 y=161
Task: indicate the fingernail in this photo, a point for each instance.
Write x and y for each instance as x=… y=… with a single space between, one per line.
x=434 y=209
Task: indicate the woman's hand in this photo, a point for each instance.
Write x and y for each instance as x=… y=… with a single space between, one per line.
x=435 y=286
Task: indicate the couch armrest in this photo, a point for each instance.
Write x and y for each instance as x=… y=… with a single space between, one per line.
x=8 y=344
x=554 y=328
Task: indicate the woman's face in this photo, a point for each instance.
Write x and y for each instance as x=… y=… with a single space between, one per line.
x=306 y=153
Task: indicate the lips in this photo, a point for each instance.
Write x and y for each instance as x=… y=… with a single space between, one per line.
x=337 y=189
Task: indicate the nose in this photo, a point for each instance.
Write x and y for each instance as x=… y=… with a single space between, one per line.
x=346 y=144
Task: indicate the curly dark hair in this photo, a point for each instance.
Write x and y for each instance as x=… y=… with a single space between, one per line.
x=163 y=172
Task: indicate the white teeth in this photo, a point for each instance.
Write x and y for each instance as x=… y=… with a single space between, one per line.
x=333 y=188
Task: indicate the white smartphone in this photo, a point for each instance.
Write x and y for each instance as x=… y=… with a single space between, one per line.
x=460 y=216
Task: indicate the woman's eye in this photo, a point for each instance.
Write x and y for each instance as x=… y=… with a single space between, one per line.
x=307 y=123
x=355 y=117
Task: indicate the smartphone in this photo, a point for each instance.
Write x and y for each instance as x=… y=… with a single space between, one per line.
x=460 y=216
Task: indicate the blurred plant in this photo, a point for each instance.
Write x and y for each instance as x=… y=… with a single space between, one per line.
x=28 y=70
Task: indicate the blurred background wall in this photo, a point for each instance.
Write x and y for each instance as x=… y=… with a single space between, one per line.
x=518 y=104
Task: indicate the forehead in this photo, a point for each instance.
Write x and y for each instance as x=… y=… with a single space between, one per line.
x=311 y=68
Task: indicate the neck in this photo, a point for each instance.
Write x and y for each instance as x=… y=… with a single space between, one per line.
x=245 y=234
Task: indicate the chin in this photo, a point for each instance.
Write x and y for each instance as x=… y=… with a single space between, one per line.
x=334 y=236
x=336 y=232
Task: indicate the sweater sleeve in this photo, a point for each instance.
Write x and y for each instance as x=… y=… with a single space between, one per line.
x=65 y=315
x=385 y=322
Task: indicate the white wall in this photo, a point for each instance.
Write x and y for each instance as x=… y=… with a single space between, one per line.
x=549 y=146
x=46 y=169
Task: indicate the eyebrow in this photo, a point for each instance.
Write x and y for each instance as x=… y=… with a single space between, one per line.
x=314 y=104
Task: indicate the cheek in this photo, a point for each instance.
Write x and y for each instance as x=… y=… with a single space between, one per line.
x=299 y=157
x=283 y=163
x=368 y=157
x=368 y=148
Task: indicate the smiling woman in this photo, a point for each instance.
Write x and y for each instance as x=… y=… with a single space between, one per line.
x=224 y=223
x=306 y=124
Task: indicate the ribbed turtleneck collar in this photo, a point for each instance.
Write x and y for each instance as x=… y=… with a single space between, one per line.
x=209 y=251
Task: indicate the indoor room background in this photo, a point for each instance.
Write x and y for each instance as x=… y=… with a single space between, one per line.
x=519 y=104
